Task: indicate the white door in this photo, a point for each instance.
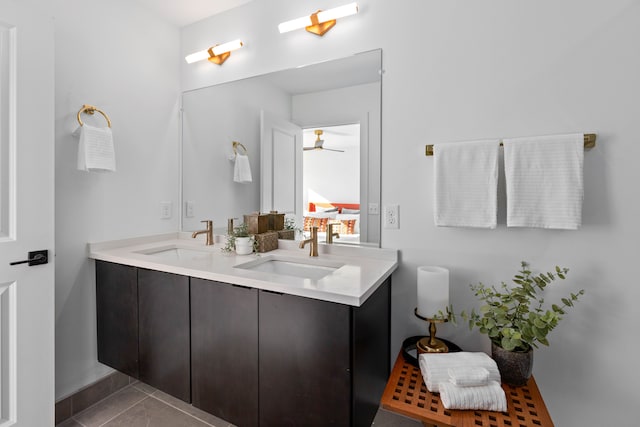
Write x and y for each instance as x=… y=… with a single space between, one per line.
x=281 y=166
x=26 y=215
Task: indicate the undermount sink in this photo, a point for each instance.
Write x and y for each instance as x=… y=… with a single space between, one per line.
x=288 y=266
x=176 y=253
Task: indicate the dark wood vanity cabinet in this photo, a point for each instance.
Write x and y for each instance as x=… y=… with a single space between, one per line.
x=322 y=363
x=248 y=356
x=163 y=332
x=117 y=316
x=305 y=376
x=224 y=351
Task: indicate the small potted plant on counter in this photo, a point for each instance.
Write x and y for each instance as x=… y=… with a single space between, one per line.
x=516 y=321
x=239 y=240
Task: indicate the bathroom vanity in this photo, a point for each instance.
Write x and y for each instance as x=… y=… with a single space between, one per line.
x=262 y=340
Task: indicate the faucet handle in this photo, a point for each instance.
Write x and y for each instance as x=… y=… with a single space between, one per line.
x=208 y=222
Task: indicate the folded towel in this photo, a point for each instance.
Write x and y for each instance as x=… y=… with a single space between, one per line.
x=468 y=376
x=435 y=366
x=490 y=397
x=95 y=149
x=242 y=169
x=466 y=182
x=544 y=178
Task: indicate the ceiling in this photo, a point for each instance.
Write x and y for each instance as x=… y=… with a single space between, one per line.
x=185 y=12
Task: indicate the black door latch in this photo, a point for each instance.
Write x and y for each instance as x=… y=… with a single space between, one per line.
x=35 y=258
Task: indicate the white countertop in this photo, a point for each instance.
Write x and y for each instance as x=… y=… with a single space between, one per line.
x=361 y=269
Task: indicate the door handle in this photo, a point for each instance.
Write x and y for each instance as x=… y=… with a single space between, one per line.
x=35 y=258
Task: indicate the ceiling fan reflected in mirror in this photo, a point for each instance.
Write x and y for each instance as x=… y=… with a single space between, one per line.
x=319 y=143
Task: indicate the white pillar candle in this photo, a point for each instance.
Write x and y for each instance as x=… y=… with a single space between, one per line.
x=433 y=291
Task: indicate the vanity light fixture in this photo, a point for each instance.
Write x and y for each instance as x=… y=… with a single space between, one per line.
x=321 y=21
x=216 y=54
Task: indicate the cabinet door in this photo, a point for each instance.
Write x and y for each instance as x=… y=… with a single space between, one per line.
x=224 y=351
x=304 y=361
x=117 y=316
x=371 y=358
x=163 y=303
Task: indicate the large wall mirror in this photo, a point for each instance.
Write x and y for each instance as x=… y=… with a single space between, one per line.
x=312 y=135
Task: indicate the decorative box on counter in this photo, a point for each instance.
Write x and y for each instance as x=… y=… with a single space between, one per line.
x=257 y=223
x=276 y=221
x=287 y=234
x=266 y=242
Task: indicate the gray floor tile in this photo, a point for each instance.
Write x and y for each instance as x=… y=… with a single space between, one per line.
x=145 y=388
x=152 y=412
x=69 y=423
x=179 y=404
x=110 y=407
x=386 y=418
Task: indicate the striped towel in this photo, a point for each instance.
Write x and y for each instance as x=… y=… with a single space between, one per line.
x=468 y=376
x=465 y=183
x=435 y=366
x=490 y=397
x=544 y=177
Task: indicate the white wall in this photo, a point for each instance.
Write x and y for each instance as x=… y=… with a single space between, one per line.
x=329 y=176
x=120 y=58
x=462 y=70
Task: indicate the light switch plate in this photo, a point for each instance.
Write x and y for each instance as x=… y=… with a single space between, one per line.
x=165 y=210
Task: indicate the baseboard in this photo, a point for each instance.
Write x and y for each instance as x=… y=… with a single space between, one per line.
x=90 y=395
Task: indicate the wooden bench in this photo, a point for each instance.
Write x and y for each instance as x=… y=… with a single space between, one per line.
x=407 y=394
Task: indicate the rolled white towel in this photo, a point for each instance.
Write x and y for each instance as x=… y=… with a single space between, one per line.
x=490 y=397
x=435 y=366
x=471 y=376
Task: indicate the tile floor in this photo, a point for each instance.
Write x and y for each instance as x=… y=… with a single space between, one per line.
x=139 y=405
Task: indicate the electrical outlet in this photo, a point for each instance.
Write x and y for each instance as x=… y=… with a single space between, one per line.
x=165 y=210
x=392 y=216
x=188 y=209
x=373 y=209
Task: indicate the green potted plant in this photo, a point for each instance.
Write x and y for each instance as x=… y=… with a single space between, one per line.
x=516 y=319
x=239 y=240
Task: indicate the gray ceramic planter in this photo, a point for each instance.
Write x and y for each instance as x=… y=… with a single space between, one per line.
x=515 y=366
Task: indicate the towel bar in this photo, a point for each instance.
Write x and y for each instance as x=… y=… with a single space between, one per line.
x=236 y=144
x=90 y=109
x=589 y=142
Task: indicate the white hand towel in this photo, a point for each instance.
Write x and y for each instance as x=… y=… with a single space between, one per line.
x=435 y=366
x=468 y=376
x=544 y=178
x=242 y=169
x=95 y=149
x=466 y=182
x=490 y=397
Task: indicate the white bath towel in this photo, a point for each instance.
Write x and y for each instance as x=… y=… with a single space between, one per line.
x=242 y=169
x=544 y=177
x=490 y=397
x=468 y=376
x=435 y=366
x=465 y=183
x=95 y=149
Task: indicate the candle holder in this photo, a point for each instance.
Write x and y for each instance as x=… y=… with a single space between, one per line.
x=431 y=344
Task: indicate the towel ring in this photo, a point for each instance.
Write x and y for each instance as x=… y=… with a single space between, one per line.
x=90 y=109
x=236 y=144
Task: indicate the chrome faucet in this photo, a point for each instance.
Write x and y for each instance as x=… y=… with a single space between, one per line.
x=330 y=233
x=208 y=232
x=313 y=242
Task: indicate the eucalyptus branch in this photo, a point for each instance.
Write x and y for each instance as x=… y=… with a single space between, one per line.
x=515 y=318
